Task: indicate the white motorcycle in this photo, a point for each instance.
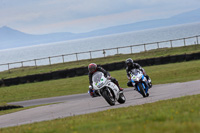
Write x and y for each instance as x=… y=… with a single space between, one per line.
x=104 y=87
x=140 y=82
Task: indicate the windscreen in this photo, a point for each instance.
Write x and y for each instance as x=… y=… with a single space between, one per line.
x=134 y=71
x=97 y=77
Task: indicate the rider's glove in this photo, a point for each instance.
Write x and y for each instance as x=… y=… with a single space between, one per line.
x=90 y=87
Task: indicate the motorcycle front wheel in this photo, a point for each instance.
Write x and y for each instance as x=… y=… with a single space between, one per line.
x=109 y=97
x=142 y=92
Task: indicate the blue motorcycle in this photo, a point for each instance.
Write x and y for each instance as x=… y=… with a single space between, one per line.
x=140 y=82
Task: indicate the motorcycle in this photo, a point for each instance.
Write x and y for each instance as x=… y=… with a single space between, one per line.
x=140 y=82
x=104 y=87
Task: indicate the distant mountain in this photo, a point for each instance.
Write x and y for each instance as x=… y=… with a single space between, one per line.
x=11 y=38
x=184 y=18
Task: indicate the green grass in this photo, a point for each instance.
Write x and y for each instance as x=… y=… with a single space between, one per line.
x=180 y=115
x=149 y=54
x=169 y=73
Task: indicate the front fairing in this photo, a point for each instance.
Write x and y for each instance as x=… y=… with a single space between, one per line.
x=136 y=75
x=99 y=80
x=137 y=78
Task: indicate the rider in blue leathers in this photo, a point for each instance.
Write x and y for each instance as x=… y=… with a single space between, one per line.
x=131 y=65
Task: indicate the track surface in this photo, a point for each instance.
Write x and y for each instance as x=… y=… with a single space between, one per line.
x=83 y=103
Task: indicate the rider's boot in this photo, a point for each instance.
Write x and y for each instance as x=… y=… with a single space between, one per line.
x=149 y=81
x=120 y=89
x=150 y=84
x=116 y=82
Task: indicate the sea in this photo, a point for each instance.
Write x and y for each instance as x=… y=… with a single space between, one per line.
x=97 y=43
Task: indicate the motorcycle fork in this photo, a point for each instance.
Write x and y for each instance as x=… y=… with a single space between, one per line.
x=145 y=89
x=145 y=85
x=138 y=88
x=111 y=92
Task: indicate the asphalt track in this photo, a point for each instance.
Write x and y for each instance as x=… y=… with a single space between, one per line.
x=83 y=103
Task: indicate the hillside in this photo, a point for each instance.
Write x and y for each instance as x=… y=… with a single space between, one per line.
x=11 y=38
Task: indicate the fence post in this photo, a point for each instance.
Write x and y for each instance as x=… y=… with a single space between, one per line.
x=49 y=60
x=22 y=64
x=184 y=41
x=90 y=55
x=76 y=56
x=104 y=53
x=158 y=44
x=145 y=47
x=171 y=43
x=35 y=64
x=8 y=67
x=63 y=58
x=131 y=50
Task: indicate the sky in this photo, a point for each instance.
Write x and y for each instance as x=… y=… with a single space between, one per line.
x=77 y=16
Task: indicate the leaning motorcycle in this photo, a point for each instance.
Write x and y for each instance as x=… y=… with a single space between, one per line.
x=104 y=87
x=140 y=82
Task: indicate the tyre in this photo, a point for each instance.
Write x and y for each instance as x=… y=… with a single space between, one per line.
x=122 y=98
x=142 y=92
x=109 y=97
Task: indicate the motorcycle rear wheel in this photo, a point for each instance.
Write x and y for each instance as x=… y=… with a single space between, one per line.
x=122 y=98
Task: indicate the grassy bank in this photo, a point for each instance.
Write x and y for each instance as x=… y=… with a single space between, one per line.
x=170 y=73
x=149 y=54
x=175 y=115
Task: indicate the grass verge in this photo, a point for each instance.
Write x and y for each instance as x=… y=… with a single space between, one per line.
x=169 y=73
x=121 y=57
x=175 y=115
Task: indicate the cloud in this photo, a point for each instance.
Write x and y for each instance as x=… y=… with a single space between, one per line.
x=97 y=22
x=85 y=15
x=92 y=23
